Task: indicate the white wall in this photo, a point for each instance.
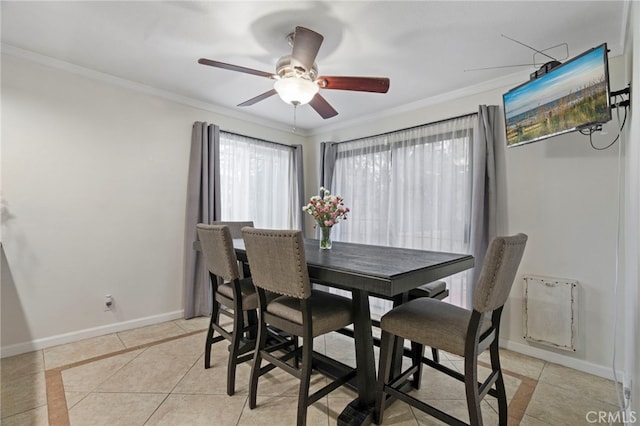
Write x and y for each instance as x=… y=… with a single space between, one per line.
x=563 y=194
x=94 y=191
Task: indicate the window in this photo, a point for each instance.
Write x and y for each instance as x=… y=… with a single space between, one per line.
x=258 y=182
x=410 y=188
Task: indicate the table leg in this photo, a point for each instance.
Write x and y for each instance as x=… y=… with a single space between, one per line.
x=398 y=351
x=360 y=411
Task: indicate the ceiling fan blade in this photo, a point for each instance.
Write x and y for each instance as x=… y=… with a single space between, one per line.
x=258 y=98
x=322 y=107
x=223 y=65
x=306 y=44
x=360 y=84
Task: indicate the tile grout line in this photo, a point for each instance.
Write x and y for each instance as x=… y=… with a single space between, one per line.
x=171 y=391
x=58 y=412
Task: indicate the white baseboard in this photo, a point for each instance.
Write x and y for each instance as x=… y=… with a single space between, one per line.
x=74 y=336
x=557 y=358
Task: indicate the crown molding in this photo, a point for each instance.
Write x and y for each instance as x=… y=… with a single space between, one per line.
x=139 y=87
x=303 y=133
x=511 y=79
x=486 y=86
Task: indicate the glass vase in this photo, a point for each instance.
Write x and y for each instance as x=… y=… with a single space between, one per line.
x=325 y=237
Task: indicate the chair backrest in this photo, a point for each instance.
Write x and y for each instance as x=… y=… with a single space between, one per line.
x=277 y=261
x=217 y=247
x=234 y=227
x=498 y=272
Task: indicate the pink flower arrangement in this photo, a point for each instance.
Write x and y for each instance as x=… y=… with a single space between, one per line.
x=326 y=210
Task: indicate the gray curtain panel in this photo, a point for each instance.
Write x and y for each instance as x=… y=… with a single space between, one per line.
x=203 y=206
x=328 y=155
x=488 y=169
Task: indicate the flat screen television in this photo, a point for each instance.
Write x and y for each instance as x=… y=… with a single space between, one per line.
x=572 y=96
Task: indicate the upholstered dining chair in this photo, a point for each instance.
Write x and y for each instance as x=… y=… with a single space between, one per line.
x=232 y=295
x=466 y=333
x=277 y=262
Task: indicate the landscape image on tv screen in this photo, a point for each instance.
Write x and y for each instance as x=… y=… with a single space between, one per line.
x=572 y=96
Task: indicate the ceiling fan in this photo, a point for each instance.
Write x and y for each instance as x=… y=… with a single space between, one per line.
x=296 y=77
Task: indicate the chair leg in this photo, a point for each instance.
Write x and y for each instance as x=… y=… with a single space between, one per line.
x=257 y=361
x=500 y=389
x=215 y=316
x=387 y=344
x=236 y=336
x=417 y=351
x=435 y=354
x=471 y=389
x=252 y=322
x=305 y=379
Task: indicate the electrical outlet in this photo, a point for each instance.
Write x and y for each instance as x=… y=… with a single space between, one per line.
x=627 y=383
x=108 y=302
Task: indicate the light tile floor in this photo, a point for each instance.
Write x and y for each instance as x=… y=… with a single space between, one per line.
x=155 y=376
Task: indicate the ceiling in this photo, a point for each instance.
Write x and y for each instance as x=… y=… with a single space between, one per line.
x=426 y=48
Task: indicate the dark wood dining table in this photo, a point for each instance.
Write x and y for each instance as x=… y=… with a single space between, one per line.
x=367 y=269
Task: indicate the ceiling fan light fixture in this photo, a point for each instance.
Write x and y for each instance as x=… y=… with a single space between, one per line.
x=296 y=90
x=296 y=78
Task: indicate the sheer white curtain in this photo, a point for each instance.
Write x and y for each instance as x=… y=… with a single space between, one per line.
x=410 y=188
x=362 y=176
x=258 y=182
x=236 y=178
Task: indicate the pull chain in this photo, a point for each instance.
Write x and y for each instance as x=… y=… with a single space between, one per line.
x=295 y=110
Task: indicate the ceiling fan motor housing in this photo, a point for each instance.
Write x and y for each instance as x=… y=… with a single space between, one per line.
x=285 y=69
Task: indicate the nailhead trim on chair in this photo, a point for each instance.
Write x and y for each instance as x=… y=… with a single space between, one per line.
x=303 y=315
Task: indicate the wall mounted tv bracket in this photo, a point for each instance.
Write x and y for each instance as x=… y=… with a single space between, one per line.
x=545 y=68
x=624 y=103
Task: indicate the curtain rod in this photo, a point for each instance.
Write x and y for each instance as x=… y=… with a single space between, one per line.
x=412 y=127
x=261 y=140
